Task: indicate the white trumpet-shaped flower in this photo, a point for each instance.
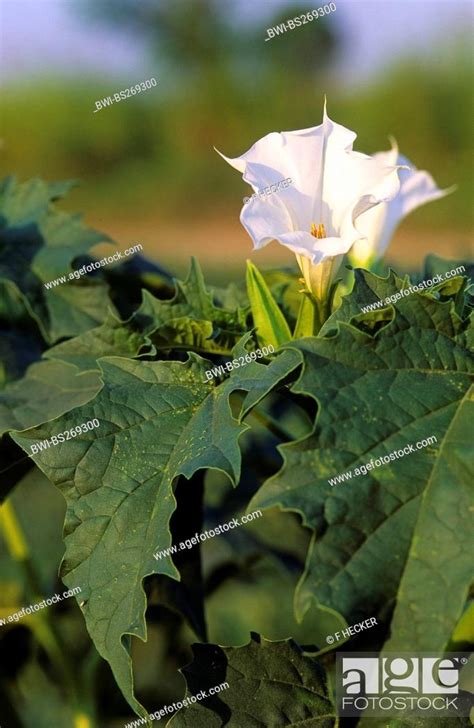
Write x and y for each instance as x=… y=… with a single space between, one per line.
x=378 y=224
x=332 y=186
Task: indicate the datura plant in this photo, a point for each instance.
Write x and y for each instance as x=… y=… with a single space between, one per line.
x=265 y=404
x=340 y=201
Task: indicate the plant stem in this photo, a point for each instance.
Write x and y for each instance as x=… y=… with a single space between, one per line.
x=270 y=424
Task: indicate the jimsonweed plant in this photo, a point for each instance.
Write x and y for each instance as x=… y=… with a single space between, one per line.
x=178 y=453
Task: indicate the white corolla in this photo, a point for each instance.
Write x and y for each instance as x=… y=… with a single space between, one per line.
x=378 y=224
x=316 y=216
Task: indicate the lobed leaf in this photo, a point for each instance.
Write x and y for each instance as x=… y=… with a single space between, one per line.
x=376 y=394
x=270 y=684
x=188 y=321
x=157 y=421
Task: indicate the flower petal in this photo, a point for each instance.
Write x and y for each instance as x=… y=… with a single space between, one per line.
x=269 y=219
x=378 y=225
x=297 y=154
x=331 y=184
x=265 y=219
x=316 y=249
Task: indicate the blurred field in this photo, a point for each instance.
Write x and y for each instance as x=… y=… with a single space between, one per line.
x=147 y=167
x=222 y=245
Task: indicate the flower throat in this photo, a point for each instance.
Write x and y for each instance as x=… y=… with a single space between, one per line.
x=318 y=231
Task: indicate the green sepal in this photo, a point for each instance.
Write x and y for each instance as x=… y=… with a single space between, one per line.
x=272 y=327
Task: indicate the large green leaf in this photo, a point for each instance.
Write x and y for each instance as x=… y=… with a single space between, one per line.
x=440 y=556
x=48 y=389
x=270 y=684
x=38 y=243
x=157 y=421
x=376 y=394
x=24 y=203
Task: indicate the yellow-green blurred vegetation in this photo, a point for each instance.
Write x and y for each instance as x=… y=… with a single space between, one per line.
x=151 y=156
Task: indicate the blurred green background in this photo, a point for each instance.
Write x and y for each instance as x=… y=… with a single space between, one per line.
x=147 y=168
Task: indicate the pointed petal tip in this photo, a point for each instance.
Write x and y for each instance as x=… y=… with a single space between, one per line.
x=236 y=162
x=325 y=109
x=449 y=190
x=393 y=144
x=221 y=154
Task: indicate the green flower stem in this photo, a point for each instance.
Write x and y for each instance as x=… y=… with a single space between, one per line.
x=322 y=311
x=324 y=308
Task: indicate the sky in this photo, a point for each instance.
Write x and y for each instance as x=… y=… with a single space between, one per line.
x=41 y=35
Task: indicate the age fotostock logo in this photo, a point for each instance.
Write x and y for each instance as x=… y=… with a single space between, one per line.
x=398 y=684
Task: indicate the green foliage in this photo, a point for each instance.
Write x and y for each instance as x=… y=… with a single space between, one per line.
x=190 y=320
x=378 y=393
x=270 y=683
x=177 y=453
x=48 y=389
x=438 y=550
x=270 y=323
x=118 y=483
x=38 y=243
